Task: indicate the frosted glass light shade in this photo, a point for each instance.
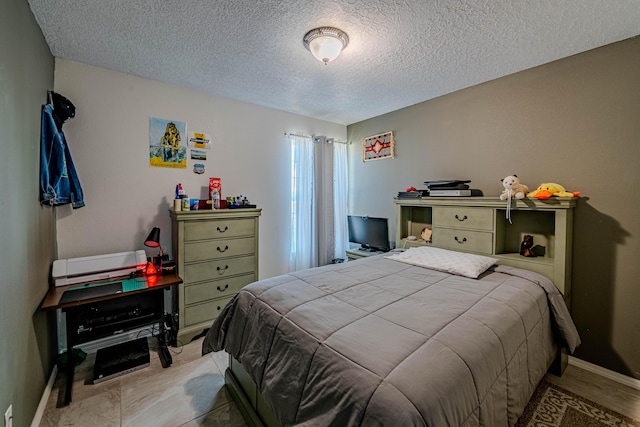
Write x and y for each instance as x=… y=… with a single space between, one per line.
x=325 y=48
x=325 y=43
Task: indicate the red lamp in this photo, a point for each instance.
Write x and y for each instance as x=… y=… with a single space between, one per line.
x=153 y=241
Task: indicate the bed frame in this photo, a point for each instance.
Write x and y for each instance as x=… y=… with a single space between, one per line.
x=551 y=220
x=245 y=394
x=256 y=413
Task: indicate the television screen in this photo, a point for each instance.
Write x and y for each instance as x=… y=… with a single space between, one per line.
x=370 y=233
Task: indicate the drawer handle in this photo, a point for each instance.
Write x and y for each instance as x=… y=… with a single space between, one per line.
x=223 y=250
x=222 y=231
x=223 y=289
x=464 y=239
x=463 y=218
x=222 y=270
x=219 y=308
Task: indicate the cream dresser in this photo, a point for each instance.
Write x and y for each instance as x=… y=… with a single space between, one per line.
x=216 y=254
x=479 y=225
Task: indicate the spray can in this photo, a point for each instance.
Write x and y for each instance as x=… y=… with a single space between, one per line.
x=215 y=198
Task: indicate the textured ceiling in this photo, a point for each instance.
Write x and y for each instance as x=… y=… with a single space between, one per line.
x=400 y=52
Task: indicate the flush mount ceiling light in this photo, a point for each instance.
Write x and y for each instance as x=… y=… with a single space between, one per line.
x=325 y=43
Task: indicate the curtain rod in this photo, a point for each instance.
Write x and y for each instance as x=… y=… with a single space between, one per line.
x=311 y=136
x=296 y=134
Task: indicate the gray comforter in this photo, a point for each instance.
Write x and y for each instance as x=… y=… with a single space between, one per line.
x=378 y=342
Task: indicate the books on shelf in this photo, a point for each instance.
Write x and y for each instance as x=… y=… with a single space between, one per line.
x=451 y=188
x=442 y=188
x=455 y=193
x=416 y=194
x=449 y=193
x=448 y=184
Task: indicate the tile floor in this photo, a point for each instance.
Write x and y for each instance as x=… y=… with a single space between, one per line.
x=189 y=393
x=599 y=389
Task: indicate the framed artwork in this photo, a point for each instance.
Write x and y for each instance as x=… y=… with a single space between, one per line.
x=167 y=148
x=378 y=147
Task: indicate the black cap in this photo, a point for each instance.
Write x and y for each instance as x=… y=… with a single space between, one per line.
x=63 y=109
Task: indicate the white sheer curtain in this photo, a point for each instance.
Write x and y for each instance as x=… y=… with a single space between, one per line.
x=303 y=244
x=318 y=201
x=340 y=188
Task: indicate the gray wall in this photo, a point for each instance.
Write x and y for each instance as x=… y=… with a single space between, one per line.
x=575 y=122
x=27 y=231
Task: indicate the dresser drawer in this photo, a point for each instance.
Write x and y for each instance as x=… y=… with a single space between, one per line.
x=207 y=311
x=219 y=248
x=463 y=217
x=216 y=288
x=218 y=269
x=463 y=240
x=218 y=229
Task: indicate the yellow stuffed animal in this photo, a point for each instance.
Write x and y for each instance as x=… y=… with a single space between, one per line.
x=545 y=191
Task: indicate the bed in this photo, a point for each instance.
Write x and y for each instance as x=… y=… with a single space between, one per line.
x=392 y=340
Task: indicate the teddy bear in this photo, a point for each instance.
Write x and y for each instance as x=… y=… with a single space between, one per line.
x=426 y=234
x=526 y=246
x=545 y=191
x=513 y=188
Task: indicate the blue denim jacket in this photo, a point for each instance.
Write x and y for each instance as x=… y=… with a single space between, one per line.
x=59 y=184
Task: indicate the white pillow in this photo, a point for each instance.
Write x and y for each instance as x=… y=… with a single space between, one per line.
x=460 y=263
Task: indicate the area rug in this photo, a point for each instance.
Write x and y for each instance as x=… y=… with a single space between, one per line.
x=553 y=406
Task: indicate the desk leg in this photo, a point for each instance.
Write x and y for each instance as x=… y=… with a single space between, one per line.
x=163 y=351
x=71 y=360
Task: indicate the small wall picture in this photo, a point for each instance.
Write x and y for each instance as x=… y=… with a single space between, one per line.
x=200 y=140
x=167 y=143
x=198 y=154
x=378 y=147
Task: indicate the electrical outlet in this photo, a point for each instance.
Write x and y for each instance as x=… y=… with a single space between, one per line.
x=8 y=417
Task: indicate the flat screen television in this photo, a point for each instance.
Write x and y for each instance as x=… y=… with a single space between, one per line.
x=372 y=234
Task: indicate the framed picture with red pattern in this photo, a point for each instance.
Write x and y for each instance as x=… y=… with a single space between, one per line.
x=378 y=147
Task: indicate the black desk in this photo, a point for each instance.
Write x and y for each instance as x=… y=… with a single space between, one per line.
x=150 y=286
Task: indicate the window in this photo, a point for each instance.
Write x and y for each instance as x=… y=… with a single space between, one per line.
x=318 y=201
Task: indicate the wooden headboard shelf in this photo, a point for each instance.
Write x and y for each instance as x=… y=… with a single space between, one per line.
x=480 y=225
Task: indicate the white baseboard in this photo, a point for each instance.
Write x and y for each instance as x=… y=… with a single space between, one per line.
x=603 y=372
x=37 y=418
